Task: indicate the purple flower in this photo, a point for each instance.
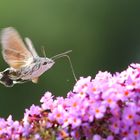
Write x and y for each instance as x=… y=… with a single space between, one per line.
x=47 y=101
x=129 y=114
x=82 y=86
x=74 y=121
x=135 y=132
x=97 y=137
x=34 y=110
x=99 y=110
x=115 y=125
x=110 y=137
x=104 y=108
x=58 y=114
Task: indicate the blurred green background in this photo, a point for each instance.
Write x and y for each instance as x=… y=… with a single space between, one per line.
x=104 y=35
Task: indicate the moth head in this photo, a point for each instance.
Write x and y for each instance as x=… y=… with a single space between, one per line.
x=47 y=63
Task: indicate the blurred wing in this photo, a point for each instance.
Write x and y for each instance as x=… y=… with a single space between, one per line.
x=14 y=51
x=30 y=47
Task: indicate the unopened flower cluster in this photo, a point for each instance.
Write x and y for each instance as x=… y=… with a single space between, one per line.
x=104 y=108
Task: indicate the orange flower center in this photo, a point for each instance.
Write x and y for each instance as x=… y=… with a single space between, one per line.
x=126 y=93
x=82 y=93
x=130 y=116
x=133 y=83
x=75 y=120
x=136 y=132
x=74 y=104
x=115 y=125
x=109 y=100
x=97 y=110
x=58 y=115
x=93 y=89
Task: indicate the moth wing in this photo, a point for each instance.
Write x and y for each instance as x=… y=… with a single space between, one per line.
x=35 y=80
x=30 y=47
x=14 y=50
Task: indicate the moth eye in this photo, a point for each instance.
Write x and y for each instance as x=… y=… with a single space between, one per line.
x=45 y=63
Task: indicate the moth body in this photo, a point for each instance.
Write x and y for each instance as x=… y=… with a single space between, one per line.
x=36 y=69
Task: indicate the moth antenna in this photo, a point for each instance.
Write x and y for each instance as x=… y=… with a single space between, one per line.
x=61 y=54
x=43 y=51
x=65 y=55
